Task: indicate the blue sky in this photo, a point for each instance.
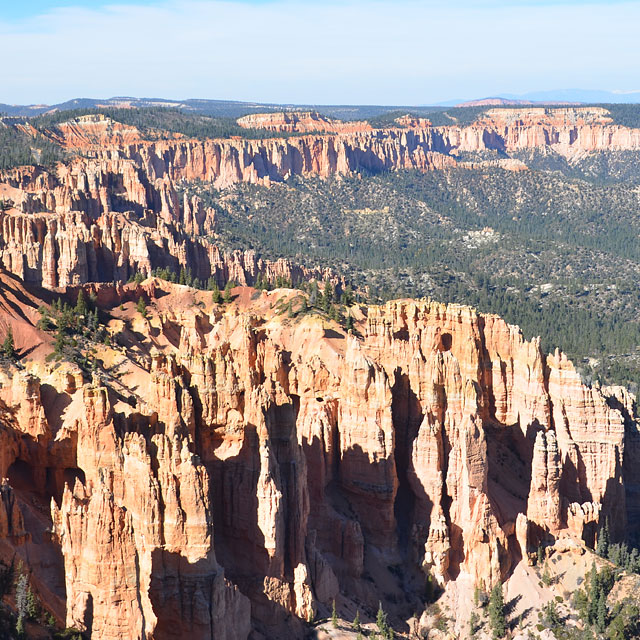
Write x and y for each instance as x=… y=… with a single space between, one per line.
x=331 y=51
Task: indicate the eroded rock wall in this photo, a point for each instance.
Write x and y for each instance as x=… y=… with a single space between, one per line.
x=304 y=461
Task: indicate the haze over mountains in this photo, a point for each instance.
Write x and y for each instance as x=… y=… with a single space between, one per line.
x=584 y=96
x=234 y=108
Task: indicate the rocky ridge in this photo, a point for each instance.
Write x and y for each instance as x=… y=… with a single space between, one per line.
x=116 y=206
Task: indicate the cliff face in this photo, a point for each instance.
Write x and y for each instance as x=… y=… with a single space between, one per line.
x=71 y=248
x=300 y=122
x=304 y=461
x=116 y=206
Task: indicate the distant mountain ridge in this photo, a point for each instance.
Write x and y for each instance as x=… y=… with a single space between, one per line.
x=237 y=108
x=552 y=97
x=508 y=102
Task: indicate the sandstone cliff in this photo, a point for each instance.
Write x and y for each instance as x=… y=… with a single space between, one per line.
x=243 y=466
x=300 y=122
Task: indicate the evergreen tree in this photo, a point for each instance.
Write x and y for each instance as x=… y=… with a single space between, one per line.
x=227 y=291
x=327 y=295
x=8 y=346
x=22 y=604
x=594 y=593
x=473 y=623
x=81 y=304
x=602 y=546
x=601 y=612
x=496 y=612
x=334 y=616
x=215 y=291
x=347 y=296
x=60 y=342
x=356 y=621
x=381 y=621
x=141 y=306
x=33 y=606
x=313 y=296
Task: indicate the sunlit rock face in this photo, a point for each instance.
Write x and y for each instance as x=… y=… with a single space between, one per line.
x=245 y=468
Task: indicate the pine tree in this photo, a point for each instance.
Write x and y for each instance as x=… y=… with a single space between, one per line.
x=496 y=612
x=381 y=621
x=601 y=613
x=60 y=342
x=313 y=296
x=8 y=346
x=334 y=616
x=594 y=592
x=473 y=623
x=22 y=588
x=356 y=621
x=602 y=547
x=33 y=606
x=327 y=295
x=141 y=306
x=81 y=304
x=215 y=291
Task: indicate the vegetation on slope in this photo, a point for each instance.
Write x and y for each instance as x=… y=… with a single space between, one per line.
x=19 y=148
x=558 y=256
x=155 y=122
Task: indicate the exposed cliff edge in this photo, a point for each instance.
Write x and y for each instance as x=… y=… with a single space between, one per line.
x=229 y=467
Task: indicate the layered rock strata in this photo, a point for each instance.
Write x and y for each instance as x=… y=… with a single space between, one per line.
x=115 y=206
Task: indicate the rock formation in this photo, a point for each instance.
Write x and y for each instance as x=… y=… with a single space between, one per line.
x=301 y=122
x=115 y=206
x=243 y=469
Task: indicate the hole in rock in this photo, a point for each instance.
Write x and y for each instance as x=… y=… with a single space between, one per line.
x=72 y=474
x=445 y=341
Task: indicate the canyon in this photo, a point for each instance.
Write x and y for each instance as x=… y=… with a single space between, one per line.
x=238 y=469
x=118 y=204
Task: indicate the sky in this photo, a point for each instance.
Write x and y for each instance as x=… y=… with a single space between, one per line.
x=406 y=52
